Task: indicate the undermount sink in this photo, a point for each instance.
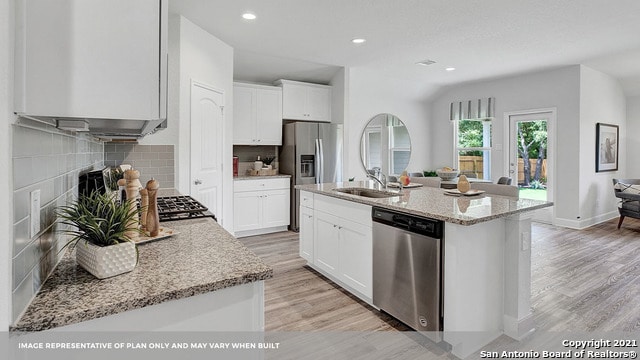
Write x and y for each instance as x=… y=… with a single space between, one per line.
x=365 y=192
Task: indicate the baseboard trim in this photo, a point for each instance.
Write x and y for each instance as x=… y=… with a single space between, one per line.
x=518 y=329
x=585 y=223
x=245 y=233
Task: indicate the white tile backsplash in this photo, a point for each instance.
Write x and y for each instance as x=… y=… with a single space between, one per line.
x=155 y=161
x=48 y=160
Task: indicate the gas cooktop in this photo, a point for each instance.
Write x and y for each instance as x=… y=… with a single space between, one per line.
x=171 y=208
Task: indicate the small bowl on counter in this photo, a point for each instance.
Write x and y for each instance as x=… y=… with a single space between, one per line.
x=447 y=175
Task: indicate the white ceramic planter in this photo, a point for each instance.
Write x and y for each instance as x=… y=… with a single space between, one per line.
x=106 y=261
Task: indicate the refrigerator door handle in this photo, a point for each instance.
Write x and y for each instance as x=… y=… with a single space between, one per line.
x=321 y=161
x=318 y=155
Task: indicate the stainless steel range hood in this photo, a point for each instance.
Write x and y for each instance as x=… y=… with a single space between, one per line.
x=105 y=129
x=93 y=66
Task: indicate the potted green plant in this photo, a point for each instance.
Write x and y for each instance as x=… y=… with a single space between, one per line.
x=99 y=227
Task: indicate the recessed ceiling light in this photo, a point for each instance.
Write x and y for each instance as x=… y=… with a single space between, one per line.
x=358 y=40
x=248 y=16
x=450 y=68
x=425 y=62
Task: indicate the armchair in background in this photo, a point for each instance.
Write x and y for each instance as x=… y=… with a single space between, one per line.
x=628 y=191
x=426 y=181
x=504 y=181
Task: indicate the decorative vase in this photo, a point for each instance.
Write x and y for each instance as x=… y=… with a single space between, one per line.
x=463 y=184
x=106 y=261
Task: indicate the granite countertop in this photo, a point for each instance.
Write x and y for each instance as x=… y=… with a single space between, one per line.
x=433 y=203
x=202 y=258
x=256 y=177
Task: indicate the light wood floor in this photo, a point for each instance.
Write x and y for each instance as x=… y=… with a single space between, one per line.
x=581 y=280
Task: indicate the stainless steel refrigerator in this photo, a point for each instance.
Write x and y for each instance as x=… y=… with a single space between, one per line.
x=312 y=154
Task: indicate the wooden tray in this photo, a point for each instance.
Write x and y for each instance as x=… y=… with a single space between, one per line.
x=164 y=233
x=262 y=172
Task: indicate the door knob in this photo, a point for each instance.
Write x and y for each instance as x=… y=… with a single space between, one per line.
x=197 y=181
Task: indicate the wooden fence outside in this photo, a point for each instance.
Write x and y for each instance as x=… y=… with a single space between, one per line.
x=474 y=164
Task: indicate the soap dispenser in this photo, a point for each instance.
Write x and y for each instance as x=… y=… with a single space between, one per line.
x=257 y=165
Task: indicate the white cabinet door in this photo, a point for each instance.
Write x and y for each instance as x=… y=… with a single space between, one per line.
x=269 y=116
x=247 y=210
x=306 y=234
x=275 y=208
x=257 y=118
x=318 y=103
x=294 y=102
x=244 y=115
x=326 y=243
x=356 y=253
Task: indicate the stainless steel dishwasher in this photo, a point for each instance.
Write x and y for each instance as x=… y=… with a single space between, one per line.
x=407 y=269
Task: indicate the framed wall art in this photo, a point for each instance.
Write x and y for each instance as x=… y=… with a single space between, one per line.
x=607 y=137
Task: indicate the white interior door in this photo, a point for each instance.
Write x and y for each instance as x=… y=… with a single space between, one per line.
x=207 y=119
x=532 y=133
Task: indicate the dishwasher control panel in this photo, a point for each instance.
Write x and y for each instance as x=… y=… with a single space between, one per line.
x=424 y=226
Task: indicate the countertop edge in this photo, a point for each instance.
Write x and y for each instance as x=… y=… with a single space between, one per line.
x=33 y=319
x=74 y=318
x=365 y=201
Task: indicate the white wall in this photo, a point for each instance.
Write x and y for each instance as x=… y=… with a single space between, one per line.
x=338 y=96
x=633 y=141
x=601 y=101
x=557 y=88
x=206 y=59
x=339 y=105
x=369 y=94
x=6 y=118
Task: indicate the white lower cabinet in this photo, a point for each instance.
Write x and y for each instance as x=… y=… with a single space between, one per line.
x=247 y=210
x=327 y=243
x=306 y=233
x=356 y=255
x=260 y=206
x=340 y=243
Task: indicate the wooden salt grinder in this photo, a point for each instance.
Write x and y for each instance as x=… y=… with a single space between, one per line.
x=133 y=189
x=153 y=222
x=144 y=207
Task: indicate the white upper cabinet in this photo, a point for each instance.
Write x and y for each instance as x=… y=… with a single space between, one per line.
x=92 y=59
x=305 y=101
x=257 y=114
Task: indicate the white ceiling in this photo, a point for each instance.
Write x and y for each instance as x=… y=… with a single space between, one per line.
x=309 y=40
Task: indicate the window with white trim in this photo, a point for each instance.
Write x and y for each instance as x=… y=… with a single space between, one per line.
x=472 y=152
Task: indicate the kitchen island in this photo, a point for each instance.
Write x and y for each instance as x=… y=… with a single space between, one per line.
x=201 y=279
x=486 y=254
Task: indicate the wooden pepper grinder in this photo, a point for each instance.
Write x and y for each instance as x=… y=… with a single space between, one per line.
x=144 y=207
x=133 y=189
x=153 y=222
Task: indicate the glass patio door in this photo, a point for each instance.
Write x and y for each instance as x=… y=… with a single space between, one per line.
x=530 y=157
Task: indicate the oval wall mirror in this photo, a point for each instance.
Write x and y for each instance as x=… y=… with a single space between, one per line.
x=385 y=144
